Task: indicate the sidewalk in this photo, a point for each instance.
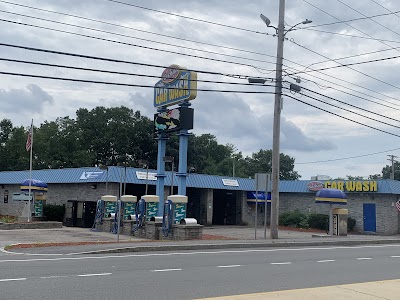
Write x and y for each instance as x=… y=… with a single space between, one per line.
x=388 y=290
x=69 y=240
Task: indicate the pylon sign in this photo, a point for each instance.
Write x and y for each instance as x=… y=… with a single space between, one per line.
x=176 y=85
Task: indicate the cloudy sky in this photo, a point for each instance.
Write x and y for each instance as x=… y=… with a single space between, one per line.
x=227 y=37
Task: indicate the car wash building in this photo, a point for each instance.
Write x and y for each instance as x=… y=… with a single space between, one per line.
x=212 y=200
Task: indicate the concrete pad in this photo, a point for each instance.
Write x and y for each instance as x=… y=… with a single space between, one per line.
x=389 y=290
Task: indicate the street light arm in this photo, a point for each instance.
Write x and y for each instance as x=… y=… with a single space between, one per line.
x=306 y=21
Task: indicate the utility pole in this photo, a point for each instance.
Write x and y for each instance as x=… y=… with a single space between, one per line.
x=277 y=124
x=392 y=160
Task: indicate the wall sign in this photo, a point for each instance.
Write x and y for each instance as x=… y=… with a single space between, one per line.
x=353 y=185
x=142 y=175
x=176 y=85
x=315 y=186
x=230 y=182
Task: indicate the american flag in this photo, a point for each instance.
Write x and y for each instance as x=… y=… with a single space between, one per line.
x=29 y=139
x=398 y=205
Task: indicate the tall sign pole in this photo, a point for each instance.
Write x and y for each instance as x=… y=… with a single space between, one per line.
x=177 y=86
x=277 y=125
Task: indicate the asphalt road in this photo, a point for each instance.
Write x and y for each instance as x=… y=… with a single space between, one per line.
x=195 y=274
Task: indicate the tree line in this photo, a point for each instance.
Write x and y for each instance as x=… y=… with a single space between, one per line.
x=111 y=136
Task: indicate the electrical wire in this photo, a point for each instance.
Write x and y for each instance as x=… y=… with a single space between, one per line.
x=352 y=8
x=128 y=84
x=351 y=105
x=346 y=23
x=136 y=29
x=117 y=60
x=347 y=66
x=348 y=110
x=122 y=26
x=344 y=65
x=188 y=18
x=351 y=20
x=392 y=12
x=134 y=37
x=344 y=158
x=335 y=114
x=127 y=44
x=357 y=96
x=113 y=72
x=353 y=90
x=351 y=56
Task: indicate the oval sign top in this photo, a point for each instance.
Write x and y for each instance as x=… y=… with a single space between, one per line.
x=171 y=73
x=315 y=186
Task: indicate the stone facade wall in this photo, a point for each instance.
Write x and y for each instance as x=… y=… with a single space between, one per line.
x=387 y=215
x=249 y=212
x=32 y=225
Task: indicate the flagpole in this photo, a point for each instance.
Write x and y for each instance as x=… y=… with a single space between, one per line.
x=30 y=175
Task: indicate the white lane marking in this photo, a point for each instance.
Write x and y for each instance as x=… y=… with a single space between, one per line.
x=99 y=274
x=282 y=263
x=395 y=256
x=364 y=258
x=326 y=260
x=54 y=276
x=230 y=266
x=12 y=279
x=167 y=270
x=18 y=253
x=196 y=253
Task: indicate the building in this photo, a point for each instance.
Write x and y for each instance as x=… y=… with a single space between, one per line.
x=213 y=200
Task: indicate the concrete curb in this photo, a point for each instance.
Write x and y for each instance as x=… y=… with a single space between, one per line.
x=239 y=246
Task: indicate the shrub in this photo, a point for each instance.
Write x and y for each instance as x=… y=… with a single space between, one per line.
x=318 y=221
x=351 y=223
x=294 y=218
x=54 y=212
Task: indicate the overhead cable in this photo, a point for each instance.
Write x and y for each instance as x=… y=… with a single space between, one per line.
x=343 y=117
x=135 y=29
x=127 y=44
x=134 y=37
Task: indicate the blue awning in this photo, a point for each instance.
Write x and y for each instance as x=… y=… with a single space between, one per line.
x=36 y=185
x=251 y=197
x=331 y=196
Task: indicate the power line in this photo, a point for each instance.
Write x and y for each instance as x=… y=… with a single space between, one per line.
x=351 y=56
x=127 y=44
x=112 y=72
x=127 y=84
x=188 y=18
x=114 y=60
x=352 y=20
x=353 y=90
x=346 y=23
x=136 y=29
x=344 y=158
x=134 y=37
x=352 y=8
x=350 y=111
x=351 y=105
x=348 y=119
x=392 y=12
x=353 y=36
x=342 y=65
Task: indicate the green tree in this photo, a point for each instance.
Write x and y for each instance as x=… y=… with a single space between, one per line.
x=387 y=170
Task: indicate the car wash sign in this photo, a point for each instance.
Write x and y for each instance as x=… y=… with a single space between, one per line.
x=176 y=85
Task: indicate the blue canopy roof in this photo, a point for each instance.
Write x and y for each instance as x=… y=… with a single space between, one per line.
x=331 y=196
x=35 y=185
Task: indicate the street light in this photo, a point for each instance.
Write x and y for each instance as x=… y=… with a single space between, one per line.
x=171 y=160
x=281 y=32
x=145 y=163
